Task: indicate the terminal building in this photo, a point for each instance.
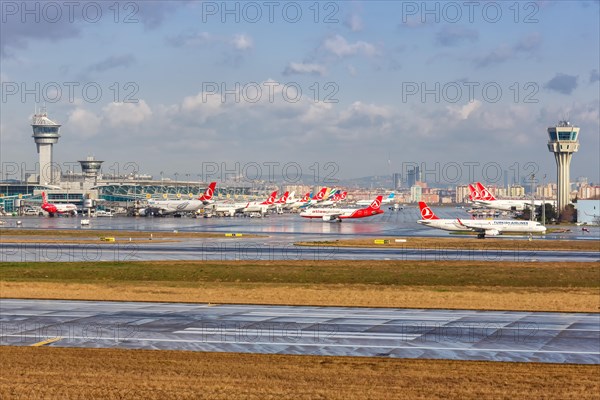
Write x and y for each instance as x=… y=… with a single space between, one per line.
x=125 y=191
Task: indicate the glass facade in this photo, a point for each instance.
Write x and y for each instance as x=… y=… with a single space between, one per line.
x=45 y=129
x=562 y=135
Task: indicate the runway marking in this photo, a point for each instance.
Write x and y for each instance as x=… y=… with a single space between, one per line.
x=296 y=344
x=47 y=341
x=465 y=327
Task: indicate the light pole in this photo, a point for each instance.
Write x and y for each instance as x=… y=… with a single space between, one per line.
x=162 y=183
x=544 y=200
x=532 y=213
x=176 y=184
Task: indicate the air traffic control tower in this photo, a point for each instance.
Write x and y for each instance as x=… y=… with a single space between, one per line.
x=564 y=141
x=45 y=134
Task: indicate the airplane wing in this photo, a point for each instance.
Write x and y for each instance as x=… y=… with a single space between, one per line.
x=490 y=231
x=332 y=217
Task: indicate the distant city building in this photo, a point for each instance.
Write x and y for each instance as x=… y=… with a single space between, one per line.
x=547 y=191
x=462 y=194
x=397 y=177
x=412 y=176
x=416 y=193
x=586 y=191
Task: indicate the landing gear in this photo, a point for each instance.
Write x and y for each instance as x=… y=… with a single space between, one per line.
x=481 y=236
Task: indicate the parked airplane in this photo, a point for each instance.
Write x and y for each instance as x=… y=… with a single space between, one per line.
x=59 y=208
x=334 y=198
x=261 y=207
x=338 y=214
x=482 y=196
x=283 y=201
x=164 y=207
x=483 y=227
x=295 y=204
x=320 y=196
x=387 y=200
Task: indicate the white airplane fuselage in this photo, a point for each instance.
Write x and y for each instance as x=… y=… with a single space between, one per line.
x=511 y=205
x=175 y=206
x=488 y=226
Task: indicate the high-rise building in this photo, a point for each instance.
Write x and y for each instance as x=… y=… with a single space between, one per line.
x=397 y=181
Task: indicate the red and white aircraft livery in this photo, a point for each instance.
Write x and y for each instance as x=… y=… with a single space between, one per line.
x=491 y=227
x=320 y=196
x=298 y=203
x=338 y=214
x=481 y=196
x=336 y=197
x=59 y=208
x=261 y=207
x=164 y=207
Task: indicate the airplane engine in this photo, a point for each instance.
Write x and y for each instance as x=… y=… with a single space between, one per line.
x=492 y=232
x=142 y=212
x=331 y=218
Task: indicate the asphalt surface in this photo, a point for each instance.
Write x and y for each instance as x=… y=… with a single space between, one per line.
x=265 y=249
x=280 y=232
x=391 y=223
x=340 y=331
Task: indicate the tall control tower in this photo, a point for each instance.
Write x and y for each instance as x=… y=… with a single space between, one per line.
x=564 y=141
x=45 y=134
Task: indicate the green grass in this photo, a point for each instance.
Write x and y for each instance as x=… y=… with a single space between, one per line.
x=390 y=273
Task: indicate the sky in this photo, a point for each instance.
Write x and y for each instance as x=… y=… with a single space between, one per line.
x=311 y=90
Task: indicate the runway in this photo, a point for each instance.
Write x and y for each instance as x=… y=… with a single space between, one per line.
x=266 y=250
x=337 y=331
x=401 y=223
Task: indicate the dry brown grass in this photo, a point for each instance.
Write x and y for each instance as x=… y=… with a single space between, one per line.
x=518 y=299
x=465 y=242
x=55 y=373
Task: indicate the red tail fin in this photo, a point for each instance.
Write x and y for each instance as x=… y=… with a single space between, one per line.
x=426 y=212
x=271 y=198
x=208 y=194
x=473 y=194
x=283 y=198
x=321 y=194
x=305 y=198
x=484 y=193
x=376 y=203
x=44 y=199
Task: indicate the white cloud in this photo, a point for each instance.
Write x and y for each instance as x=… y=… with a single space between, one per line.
x=84 y=122
x=242 y=42
x=355 y=23
x=341 y=48
x=463 y=112
x=128 y=114
x=304 y=68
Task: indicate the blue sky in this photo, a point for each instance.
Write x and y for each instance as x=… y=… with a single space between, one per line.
x=361 y=66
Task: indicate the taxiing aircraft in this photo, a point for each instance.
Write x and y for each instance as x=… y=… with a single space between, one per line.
x=59 y=208
x=165 y=207
x=338 y=214
x=483 y=227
